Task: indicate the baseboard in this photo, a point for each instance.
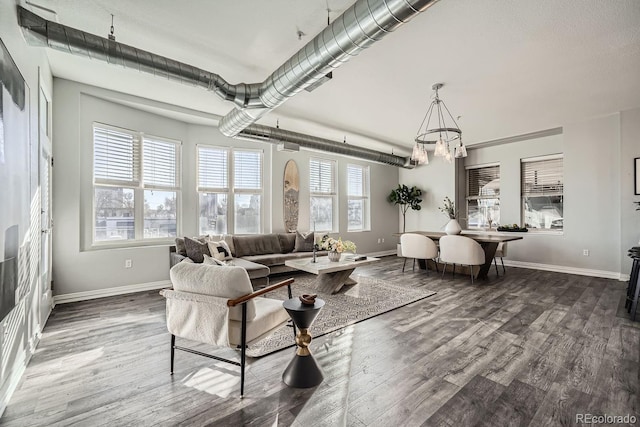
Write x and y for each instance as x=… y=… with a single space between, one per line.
x=382 y=253
x=570 y=270
x=18 y=368
x=109 y=292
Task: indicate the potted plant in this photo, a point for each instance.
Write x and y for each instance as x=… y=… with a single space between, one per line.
x=449 y=209
x=407 y=198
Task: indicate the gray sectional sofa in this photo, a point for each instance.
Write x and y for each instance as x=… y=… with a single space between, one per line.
x=262 y=255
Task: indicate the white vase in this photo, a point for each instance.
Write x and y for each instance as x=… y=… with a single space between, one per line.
x=334 y=256
x=452 y=227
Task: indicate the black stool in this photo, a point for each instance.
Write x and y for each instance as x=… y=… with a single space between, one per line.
x=633 y=289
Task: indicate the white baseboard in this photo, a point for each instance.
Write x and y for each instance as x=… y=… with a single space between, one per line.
x=570 y=270
x=109 y=292
x=17 y=370
x=382 y=253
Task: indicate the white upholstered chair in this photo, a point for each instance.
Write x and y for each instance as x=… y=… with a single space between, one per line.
x=460 y=250
x=417 y=246
x=217 y=305
x=501 y=252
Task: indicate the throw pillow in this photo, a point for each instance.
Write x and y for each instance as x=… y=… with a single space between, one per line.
x=196 y=249
x=220 y=250
x=304 y=242
x=180 y=247
x=211 y=260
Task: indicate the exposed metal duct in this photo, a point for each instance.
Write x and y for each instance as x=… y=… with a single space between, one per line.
x=364 y=23
x=41 y=32
x=273 y=135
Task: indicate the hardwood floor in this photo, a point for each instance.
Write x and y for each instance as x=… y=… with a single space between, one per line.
x=528 y=348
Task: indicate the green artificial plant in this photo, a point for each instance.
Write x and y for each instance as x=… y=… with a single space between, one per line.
x=407 y=198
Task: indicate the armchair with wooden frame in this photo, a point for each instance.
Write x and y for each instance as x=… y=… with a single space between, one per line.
x=217 y=305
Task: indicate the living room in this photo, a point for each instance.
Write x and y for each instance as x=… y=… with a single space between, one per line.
x=534 y=82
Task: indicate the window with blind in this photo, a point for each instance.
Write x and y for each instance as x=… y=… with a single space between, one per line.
x=322 y=190
x=136 y=185
x=542 y=193
x=483 y=196
x=247 y=191
x=229 y=178
x=357 y=198
x=213 y=189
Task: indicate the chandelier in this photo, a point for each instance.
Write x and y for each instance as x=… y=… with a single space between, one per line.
x=441 y=134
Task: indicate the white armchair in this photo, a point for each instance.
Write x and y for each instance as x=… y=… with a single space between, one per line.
x=460 y=250
x=216 y=305
x=417 y=246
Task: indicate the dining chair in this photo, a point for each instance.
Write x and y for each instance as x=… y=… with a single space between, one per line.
x=216 y=305
x=417 y=246
x=460 y=250
x=501 y=252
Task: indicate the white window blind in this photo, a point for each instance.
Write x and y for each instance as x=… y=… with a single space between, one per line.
x=542 y=177
x=247 y=170
x=116 y=155
x=321 y=177
x=355 y=181
x=213 y=169
x=483 y=182
x=160 y=165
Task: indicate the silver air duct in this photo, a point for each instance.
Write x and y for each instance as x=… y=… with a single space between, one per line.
x=356 y=29
x=272 y=135
x=364 y=23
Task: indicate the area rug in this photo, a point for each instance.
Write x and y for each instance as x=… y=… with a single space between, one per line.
x=368 y=298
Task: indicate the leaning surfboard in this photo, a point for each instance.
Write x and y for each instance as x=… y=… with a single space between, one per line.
x=291 y=194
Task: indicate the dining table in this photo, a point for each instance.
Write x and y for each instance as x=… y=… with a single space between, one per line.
x=488 y=240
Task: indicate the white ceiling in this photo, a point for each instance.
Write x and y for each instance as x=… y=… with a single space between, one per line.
x=509 y=67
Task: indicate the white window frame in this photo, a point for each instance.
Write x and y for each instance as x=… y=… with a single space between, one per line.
x=222 y=190
x=238 y=191
x=365 y=197
x=556 y=193
x=333 y=195
x=138 y=187
x=469 y=198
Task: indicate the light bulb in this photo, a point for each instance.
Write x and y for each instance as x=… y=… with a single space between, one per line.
x=440 y=148
x=460 y=151
x=415 y=155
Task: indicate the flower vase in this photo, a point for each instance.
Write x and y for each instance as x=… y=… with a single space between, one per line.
x=334 y=256
x=452 y=227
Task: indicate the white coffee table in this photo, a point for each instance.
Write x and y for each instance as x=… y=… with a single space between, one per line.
x=332 y=276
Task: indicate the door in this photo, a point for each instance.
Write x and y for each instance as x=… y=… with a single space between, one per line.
x=46 y=222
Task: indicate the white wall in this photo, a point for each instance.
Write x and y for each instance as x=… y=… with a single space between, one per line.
x=20 y=330
x=629 y=217
x=82 y=271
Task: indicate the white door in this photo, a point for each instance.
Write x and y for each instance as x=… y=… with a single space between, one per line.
x=46 y=222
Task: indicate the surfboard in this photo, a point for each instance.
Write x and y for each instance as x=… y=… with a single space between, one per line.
x=291 y=191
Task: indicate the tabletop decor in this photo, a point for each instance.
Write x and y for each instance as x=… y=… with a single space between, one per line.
x=336 y=247
x=449 y=209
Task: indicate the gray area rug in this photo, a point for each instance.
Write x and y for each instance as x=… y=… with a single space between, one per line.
x=368 y=298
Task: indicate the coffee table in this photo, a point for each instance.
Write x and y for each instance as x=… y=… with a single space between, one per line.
x=332 y=276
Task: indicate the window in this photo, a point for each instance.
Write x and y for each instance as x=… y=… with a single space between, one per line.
x=322 y=189
x=483 y=196
x=247 y=191
x=220 y=186
x=542 y=193
x=357 y=198
x=136 y=185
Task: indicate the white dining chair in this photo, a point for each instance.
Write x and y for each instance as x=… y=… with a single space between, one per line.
x=460 y=250
x=417 y=246
x=501 y=252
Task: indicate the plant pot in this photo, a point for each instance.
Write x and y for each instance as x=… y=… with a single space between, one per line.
x=452 y=227
x=334 y=256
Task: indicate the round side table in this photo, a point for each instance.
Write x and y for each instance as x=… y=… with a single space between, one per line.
x=303 y=371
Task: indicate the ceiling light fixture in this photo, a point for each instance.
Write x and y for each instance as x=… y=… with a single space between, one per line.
x=441 y=134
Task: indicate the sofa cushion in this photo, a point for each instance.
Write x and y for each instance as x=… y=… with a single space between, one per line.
x=287 y=242
x=256 y=245
x=220 y=250
x=254 y=270
x=279 y=259
x=195 y=249
x=304 y=242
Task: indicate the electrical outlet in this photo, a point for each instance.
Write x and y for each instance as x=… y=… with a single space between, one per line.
x=127 y=263
x=383 y=240
x=379 y=240
x=585 y=252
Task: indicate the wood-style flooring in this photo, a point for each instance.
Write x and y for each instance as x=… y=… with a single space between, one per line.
x=527 y=348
